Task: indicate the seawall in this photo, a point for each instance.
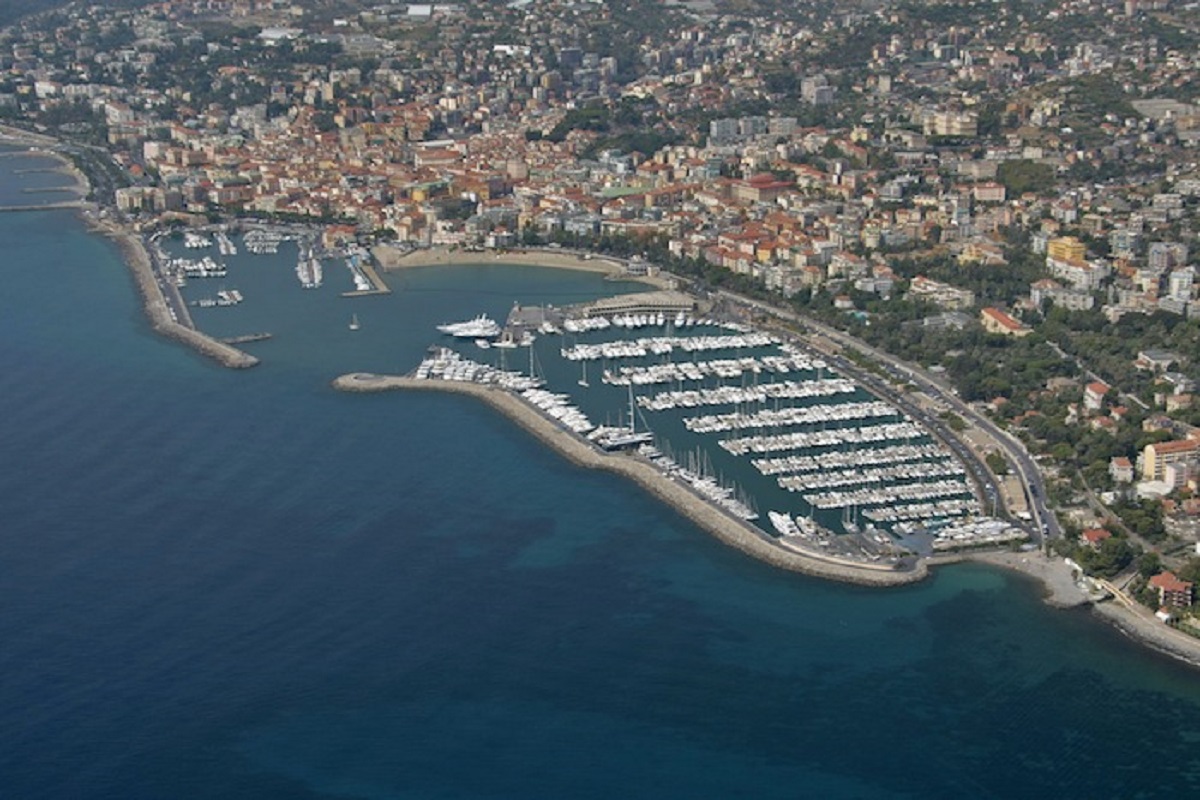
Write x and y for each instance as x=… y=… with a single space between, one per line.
x=723 y=526
x=157 y=310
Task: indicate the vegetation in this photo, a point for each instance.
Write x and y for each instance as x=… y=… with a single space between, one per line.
x=1024 y=176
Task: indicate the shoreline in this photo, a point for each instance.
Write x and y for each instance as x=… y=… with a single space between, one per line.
x=725 y=528
x=442 y=256
x=135 y=255
x=1148 y=631
x=1056 y=578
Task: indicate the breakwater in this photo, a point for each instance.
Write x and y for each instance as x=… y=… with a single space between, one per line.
x=158 y=310
x=723 y=526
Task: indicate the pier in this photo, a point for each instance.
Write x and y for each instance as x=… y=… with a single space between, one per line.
x=720 y=523
x=246 y=338
x=377 y=284
x=46 y=206
x=164 y=317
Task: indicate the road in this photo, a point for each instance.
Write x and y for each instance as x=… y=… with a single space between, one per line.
x=1043 y=523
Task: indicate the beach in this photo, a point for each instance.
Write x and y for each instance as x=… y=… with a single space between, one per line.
x=46 y=147
x=1058 y=579
x=390 y=258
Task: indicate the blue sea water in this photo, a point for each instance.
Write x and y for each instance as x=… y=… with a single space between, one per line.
x=244 y=584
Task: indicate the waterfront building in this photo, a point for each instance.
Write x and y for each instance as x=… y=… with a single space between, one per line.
x=1172 y=591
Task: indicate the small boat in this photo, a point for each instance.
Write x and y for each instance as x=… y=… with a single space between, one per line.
x=354 y=322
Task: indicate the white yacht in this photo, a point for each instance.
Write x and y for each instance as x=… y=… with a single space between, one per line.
x=482 y=327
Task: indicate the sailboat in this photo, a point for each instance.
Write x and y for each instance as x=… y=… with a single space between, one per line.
x=583 y=381
x=850 y=519
x=354 y=322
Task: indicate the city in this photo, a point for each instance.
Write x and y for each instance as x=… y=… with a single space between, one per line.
x=985 y=209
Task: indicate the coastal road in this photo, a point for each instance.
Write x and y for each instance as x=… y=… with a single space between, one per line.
x=1042 y=523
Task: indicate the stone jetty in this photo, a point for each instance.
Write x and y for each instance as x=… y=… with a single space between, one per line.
x=723 y=526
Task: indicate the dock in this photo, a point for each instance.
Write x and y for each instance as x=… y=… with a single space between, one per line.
x=377 y=284
x=717 y=522
x=46 y=206
x=246 y=338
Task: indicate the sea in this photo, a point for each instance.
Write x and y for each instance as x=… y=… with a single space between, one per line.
x=219 y=583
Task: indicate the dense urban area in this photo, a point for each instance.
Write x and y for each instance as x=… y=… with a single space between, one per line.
x=1000 y=192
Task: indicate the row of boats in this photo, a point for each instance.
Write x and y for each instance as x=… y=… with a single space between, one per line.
x=791 y=416
x=862 y=457
x=801 y=440
x=694 y=371
x=264 y=241
x=195 y=241
x=820 y=436
x=895 y=494
x=257 y=240
x=225 y=245
x=664 y=345
x=445 y=364
x=698 y=475
x=308 y=269
x=225 y=297
x=923 y=515
x=629 y=321
x=870 y=476
x=206 y=267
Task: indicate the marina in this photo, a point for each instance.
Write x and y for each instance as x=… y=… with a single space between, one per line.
x=744 y=419
x=843 y=473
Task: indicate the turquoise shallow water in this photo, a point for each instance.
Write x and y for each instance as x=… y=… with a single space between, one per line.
x=243 y=584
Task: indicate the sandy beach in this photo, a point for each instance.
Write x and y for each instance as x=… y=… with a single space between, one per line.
x=1053 y=573
x=44 y=146
x=66 y=167
x=392 y=259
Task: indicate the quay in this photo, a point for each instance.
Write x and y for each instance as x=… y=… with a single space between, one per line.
x=725 y=527
x=377 y=284
x=246 y=338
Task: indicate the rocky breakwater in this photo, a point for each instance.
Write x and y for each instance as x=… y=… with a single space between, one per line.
x=158 y=310
x=723 y=526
